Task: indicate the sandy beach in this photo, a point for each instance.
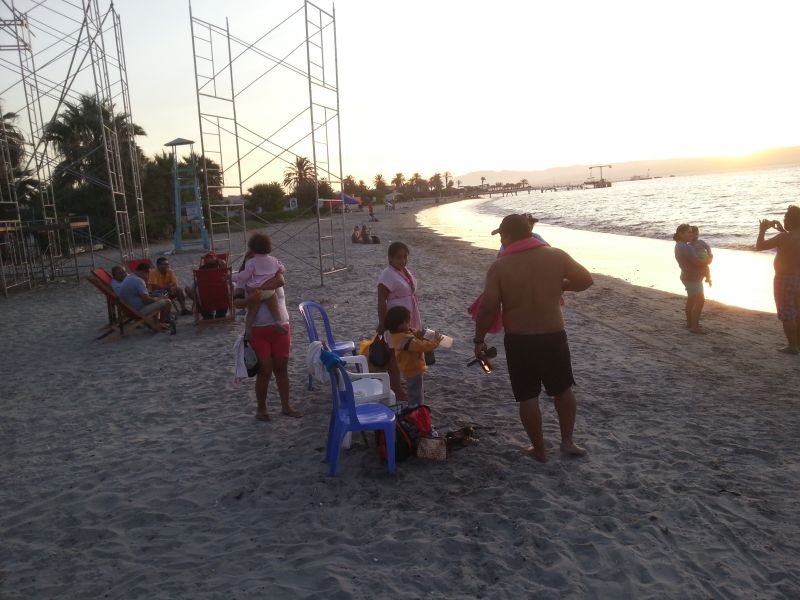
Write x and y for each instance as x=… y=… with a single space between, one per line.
x=133 y=468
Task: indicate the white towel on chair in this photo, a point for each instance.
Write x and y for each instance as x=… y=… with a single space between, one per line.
x=315 y=367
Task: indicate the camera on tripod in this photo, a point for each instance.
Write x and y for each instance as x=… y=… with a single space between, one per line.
x=483 y=359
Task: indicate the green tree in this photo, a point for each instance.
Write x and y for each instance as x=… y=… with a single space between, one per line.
x=418 y=183
x=215 y=177
x=80 y=179
x=12 y=174
x=157 y=196
x=380 y=186
x=298 y=175
x=77 y=135
x=265 y=197
x=307 y=193
x=349 y=185
x=436 y=182
x=398 y=181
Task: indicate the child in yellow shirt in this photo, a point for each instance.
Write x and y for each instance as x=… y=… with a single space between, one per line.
x=409 y=349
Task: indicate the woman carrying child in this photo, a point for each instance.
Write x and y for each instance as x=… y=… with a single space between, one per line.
x=409 y=348
x=259 y=269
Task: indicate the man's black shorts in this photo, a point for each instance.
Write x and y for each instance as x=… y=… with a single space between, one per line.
x=535 y=359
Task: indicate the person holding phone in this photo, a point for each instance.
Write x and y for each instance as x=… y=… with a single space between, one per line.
x=786 y=284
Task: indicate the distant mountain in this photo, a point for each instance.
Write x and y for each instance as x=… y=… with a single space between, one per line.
x=776 y=157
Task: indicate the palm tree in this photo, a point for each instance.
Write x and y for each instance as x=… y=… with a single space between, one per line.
x=416 y=181
x=436 y=182
x=398 y=181
x=299 y=173
x=12 y=176
x=215 y=178
x=524 y=183
x=12 y=137
x=77 y=135
x=349 y=185
x=483 y=181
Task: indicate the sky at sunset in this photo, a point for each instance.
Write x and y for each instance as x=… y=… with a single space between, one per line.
x=440 y=85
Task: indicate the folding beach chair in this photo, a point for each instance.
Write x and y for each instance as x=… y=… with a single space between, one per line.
x=111 y=305
x=213 y=296
x=120 y=313
x=135 y=262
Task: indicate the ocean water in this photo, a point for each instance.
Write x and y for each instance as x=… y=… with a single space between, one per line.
x=726 y=207
x=626 y=231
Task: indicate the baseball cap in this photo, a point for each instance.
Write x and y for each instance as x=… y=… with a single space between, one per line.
x=531 y=218
x=512 y=223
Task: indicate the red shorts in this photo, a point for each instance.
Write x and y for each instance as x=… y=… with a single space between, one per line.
x=268 y=341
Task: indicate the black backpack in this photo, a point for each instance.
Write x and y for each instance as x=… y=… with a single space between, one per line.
x=412 y=423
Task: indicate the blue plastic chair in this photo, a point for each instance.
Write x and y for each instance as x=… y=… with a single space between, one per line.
x=341 y=348
x=347 y=416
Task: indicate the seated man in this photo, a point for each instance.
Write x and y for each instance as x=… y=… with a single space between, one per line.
x=209 y=261
x=118 y=275
x=133 y=291
x=163 y=279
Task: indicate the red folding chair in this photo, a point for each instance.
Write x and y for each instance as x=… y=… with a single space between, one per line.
x=213 y=295
x=135 y=262
x=120 y=313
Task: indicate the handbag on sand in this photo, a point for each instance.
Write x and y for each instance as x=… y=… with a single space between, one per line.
x=432 y=448
x=250 y=360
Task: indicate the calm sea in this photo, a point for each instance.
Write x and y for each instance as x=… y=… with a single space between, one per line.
x=626 y=231
x=725 y=207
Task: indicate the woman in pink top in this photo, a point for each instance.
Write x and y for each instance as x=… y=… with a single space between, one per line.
x=397 y=287
x=258 y=270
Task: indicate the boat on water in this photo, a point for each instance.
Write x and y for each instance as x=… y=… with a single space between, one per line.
x=641 y=177
x=597 y=183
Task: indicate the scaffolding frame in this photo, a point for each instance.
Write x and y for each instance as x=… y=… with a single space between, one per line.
x=309 y=56
x=78 y=43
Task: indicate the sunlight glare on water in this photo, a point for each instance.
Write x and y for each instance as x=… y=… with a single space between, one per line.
x=740 y=278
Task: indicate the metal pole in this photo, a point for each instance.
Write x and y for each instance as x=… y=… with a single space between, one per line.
x=236 y=137
x=339 y=132
x=314 y=148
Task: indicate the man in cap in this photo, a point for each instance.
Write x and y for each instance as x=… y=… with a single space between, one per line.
x=527 y=281
x=531 y=222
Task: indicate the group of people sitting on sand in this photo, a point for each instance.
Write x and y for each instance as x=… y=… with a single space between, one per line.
x=363 y=235
x=151 y=290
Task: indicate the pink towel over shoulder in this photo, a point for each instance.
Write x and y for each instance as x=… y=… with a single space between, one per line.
x=518 y=246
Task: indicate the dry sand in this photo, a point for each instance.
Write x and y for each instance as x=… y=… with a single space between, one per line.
x=133 y=468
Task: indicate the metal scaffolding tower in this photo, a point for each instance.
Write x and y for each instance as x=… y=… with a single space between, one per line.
x=65 y=49
x=290 y=88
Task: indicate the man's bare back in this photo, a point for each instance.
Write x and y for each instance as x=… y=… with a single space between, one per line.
x=529 y=285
